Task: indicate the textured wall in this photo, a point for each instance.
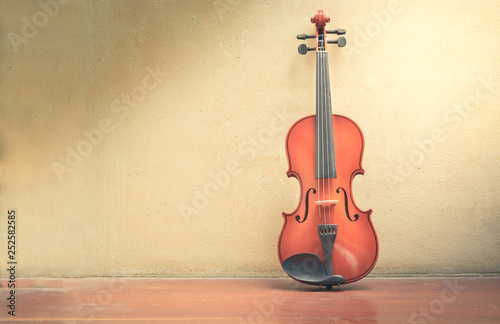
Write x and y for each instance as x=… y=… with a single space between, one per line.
x=147 y=137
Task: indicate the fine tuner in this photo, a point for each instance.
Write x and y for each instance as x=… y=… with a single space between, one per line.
x=341 y=41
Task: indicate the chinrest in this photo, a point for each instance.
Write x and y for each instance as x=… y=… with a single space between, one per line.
x=309 y=268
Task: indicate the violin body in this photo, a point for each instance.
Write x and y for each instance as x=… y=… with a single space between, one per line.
x=327 y=240
x=356 y=247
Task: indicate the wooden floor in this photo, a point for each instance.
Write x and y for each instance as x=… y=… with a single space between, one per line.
x=124 y=300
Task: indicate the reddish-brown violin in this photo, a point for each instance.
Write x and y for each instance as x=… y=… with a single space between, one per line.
x=327 y=240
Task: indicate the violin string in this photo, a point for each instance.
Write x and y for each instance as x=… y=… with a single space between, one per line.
x=319 y=124
x=329 y=127
x=322 y=134
x=325 y=134
x=318 y=131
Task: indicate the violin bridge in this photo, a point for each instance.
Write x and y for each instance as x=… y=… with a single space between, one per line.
x=326 y=202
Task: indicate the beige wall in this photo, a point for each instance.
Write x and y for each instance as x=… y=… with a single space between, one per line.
x=147 y=137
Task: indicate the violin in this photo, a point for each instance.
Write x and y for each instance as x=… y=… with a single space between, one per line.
x=327 y=240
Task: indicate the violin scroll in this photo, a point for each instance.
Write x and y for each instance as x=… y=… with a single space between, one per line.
x=320 y=20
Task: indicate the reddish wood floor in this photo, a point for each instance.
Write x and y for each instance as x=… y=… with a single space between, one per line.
x=105 y=300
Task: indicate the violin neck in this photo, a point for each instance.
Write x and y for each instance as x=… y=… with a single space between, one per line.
x=325 y=150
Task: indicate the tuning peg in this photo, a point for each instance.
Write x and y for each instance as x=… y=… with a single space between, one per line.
x=341 y=42
x=303 y=49
x=337 y=31
x=304 y=36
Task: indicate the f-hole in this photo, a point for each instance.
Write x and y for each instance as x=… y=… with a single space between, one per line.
x=356 y=216
x=297 y=217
